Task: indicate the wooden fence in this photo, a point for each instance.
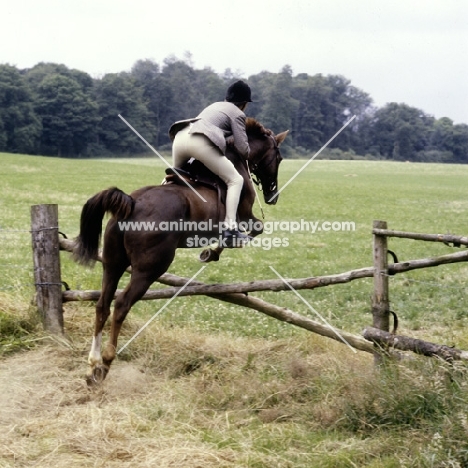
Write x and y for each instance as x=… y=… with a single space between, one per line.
x=377 y=339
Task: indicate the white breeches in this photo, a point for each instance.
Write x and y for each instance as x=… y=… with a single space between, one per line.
x=198 y=146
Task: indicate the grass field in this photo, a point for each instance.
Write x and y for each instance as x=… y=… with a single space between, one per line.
x=214 y=385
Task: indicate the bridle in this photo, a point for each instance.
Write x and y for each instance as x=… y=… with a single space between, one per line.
x=255 y=164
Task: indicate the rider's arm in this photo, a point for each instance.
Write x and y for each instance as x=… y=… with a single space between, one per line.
x=241 y=142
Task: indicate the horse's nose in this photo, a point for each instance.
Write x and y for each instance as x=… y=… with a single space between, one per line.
x=271 y=198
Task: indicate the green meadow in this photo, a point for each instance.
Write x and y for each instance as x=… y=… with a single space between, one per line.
x=240 y=388
x=413 y=197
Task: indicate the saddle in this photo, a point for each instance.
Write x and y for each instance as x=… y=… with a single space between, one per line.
x=195 y=173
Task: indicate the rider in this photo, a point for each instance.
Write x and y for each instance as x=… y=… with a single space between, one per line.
x=205 y=138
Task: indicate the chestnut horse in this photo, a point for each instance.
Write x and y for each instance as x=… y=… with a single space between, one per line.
x=150 y=252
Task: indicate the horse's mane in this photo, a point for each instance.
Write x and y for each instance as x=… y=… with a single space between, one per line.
x=255 y=128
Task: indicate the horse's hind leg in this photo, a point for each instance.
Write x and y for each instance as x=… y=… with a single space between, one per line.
x=152 y=264
x=134 y=291
x=110 y=282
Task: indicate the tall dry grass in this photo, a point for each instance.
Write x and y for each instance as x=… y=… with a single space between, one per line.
x=178 y=398
x=211 y=385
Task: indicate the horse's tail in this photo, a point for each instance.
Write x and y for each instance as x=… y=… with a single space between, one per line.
x=112 y=200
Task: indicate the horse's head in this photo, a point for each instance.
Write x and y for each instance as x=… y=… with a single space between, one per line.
x=265 y=158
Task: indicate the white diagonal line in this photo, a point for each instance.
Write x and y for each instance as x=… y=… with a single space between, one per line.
x=312 y=158
x=313 y=310
x=161 y=309
x=162 y=159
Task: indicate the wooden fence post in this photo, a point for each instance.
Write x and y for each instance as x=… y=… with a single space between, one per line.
x=380 y=299
x=46 y=258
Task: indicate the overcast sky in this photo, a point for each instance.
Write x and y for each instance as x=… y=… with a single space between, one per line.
x=412 y=51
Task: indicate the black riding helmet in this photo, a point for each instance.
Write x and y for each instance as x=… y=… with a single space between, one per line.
x=238 y=92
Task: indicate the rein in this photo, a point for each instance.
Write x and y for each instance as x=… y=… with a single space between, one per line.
x=255 y=164
x=257 y=180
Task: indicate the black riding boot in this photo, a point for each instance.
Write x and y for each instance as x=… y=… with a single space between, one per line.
x=233 y=238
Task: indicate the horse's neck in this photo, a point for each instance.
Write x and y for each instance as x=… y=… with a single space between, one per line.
x=239 y=162
x=242 y=167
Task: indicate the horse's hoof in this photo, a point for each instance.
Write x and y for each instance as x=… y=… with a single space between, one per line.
x=97 y=376
x=209 y=255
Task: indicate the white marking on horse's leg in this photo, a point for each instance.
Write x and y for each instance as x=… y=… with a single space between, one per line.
x=95 y=353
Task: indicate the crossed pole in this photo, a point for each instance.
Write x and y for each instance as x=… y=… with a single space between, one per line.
x=201 y=269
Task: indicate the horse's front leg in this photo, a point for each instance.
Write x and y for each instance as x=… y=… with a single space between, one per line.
x=210 y=255
x=253 y=227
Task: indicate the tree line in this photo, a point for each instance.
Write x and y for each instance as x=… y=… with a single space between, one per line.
x=50 y=109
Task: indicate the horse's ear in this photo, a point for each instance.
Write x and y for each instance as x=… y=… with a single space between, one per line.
x=280 y=137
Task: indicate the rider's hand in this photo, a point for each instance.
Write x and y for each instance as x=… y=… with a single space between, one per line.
x=230 y=140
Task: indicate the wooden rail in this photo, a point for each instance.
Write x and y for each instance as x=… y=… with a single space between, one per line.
x=376 y=340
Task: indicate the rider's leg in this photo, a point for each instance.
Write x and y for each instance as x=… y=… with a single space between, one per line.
x=181 y=148
x=198 y=146
x=224 y=168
